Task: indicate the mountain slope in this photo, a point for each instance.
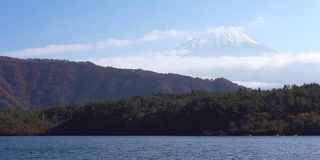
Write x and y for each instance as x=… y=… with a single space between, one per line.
x=225 y=41
x=42 y=83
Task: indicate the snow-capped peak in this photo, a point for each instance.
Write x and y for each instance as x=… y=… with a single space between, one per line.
x=223 y=36
x=224 y=41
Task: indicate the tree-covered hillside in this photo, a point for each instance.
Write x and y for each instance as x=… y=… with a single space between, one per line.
x=288 y=111
x=36 y=83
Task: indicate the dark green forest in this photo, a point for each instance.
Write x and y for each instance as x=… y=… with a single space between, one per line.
x=287 y=111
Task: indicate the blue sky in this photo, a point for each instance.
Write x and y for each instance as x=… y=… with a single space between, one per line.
x=142 y=34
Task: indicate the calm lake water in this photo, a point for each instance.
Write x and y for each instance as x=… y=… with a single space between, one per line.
x=160 y=147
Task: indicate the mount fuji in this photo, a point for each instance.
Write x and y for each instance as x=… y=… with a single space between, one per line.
x=225 y=41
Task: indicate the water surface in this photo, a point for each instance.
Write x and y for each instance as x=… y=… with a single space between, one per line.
x=160 y=147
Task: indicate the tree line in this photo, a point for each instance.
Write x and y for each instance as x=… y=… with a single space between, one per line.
x=287 y=111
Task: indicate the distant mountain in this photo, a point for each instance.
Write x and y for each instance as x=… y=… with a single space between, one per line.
x=225 y=41
x=36 y=83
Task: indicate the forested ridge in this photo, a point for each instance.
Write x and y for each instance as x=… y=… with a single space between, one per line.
x=287 y=111
x=35 y=83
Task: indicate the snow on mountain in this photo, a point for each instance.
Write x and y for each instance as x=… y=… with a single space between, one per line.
x=225 y=41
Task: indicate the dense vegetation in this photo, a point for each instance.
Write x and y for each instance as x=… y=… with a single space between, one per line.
x=288 y=111
x=35 y=83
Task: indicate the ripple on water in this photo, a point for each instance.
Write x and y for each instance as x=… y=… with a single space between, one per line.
x=159 y=147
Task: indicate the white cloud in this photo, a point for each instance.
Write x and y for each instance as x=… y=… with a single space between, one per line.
x=150 y=37
x=266 y=71
x=112 y=43
x=259 y=22
x=261 y=85
x=308 y=58
x=158 y=35
x=50 y=49
x=109 y=43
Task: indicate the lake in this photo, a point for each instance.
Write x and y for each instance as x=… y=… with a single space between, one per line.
x=160 y=147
